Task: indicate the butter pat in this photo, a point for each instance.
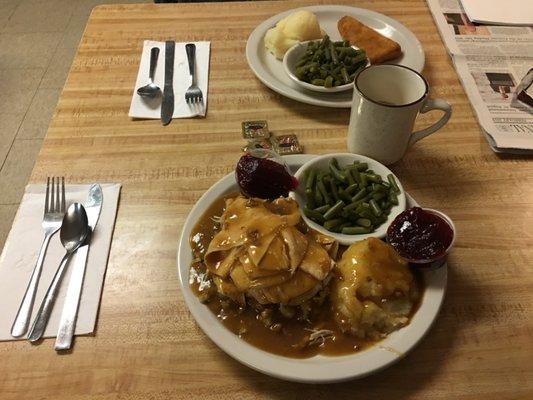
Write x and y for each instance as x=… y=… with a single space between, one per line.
x=297 y=27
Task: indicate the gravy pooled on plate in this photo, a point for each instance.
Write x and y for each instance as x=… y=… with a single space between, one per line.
x=282 y=307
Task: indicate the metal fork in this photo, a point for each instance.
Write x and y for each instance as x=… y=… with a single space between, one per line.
x=193 y=95
x=54 y=209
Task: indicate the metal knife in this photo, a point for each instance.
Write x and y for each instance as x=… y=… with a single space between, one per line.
x=67 y=323
x=167 y=106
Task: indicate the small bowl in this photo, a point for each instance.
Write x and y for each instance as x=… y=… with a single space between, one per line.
x=436 y=262
x=322 y=163
x=290 y=59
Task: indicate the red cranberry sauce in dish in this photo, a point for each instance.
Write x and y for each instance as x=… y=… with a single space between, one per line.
x=420 y=235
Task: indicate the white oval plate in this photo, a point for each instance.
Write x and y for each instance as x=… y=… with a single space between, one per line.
x=270 y=70
x=318 y=369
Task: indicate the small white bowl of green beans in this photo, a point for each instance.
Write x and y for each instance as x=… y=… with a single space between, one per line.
x=323 y=65
x=348 y=196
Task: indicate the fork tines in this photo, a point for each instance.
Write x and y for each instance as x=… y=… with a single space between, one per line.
x=55 y=195
x=194 y=95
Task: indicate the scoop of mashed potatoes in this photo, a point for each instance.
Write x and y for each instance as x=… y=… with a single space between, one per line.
x=300 y=26
x=375 y=291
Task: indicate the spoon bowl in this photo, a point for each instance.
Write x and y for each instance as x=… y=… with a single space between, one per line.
x=75 y=227
x=151 y=90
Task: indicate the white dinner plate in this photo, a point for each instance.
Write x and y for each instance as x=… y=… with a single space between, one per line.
x=317 y=369
x=270 y=70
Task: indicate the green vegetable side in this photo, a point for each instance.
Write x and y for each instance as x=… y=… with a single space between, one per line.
x=329 y=64
x=350 y=200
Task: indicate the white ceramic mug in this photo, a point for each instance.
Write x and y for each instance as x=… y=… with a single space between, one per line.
x=386 y=100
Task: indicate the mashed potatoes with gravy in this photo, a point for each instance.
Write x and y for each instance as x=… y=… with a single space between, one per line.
x=376 y=290
x=297 y=27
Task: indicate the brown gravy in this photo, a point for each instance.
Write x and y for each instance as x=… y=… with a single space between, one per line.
x=292 y=337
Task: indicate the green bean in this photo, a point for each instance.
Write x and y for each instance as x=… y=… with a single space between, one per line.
x=368 y=197
x=345 y=76
x=333 y=53
x=373 y=178
x=335 y=163
x=351 y=188
x=378 y=196
x=378 y=187
x=342 y=226
x=359 y=56
x=362 y=207
x=334 y=211
x=367 y=213
x=352 y=52
x=355 y=230
x=375 y=208
x=356 y=175
x=360 y=166
x=364 y=222
x=353 y=206
x=345 y=196
x=336 y=173
x=329 y=225
x=349 y=176
x=393 y=198
x=310 y=197
x=310 y=181
x=323 y=191
x=301 y=62
x=319 y=199
x=393 y=183
x=328 y=82
x=318 y=82
x=322 y=209
x=315 y=216
x=334 y=189
x=360 y=194
x=364 y=180
x=327 y=53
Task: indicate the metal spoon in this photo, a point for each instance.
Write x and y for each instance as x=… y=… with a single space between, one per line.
x=73 y=233
x=151 y=90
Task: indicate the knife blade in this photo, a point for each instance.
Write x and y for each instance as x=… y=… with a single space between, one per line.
x=67 y=322
x=167 y=106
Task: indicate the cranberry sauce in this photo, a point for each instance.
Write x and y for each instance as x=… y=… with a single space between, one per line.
x=263 y=178
x=417 y=234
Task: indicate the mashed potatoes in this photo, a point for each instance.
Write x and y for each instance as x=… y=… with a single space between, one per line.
x=297 y=27
x=376 y=290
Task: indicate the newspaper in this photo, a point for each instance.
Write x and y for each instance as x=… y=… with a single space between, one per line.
x=492 y=62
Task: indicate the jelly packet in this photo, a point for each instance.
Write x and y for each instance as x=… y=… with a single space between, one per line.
x=255 y=130
x=287 y=144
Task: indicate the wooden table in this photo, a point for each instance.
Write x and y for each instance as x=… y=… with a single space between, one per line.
x=147 y=345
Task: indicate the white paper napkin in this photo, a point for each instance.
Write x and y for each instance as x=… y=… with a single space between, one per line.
x=498 y=12
x=151 y=108
x=20 y=254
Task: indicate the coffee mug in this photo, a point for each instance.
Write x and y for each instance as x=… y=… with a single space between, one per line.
x=386 y=100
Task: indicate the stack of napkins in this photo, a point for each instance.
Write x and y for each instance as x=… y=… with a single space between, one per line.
x=142 y=107
x=20 y=254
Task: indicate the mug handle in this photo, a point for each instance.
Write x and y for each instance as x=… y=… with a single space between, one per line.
x=432 y=104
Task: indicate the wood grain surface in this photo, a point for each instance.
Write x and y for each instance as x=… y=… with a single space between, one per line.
x=147 y=345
